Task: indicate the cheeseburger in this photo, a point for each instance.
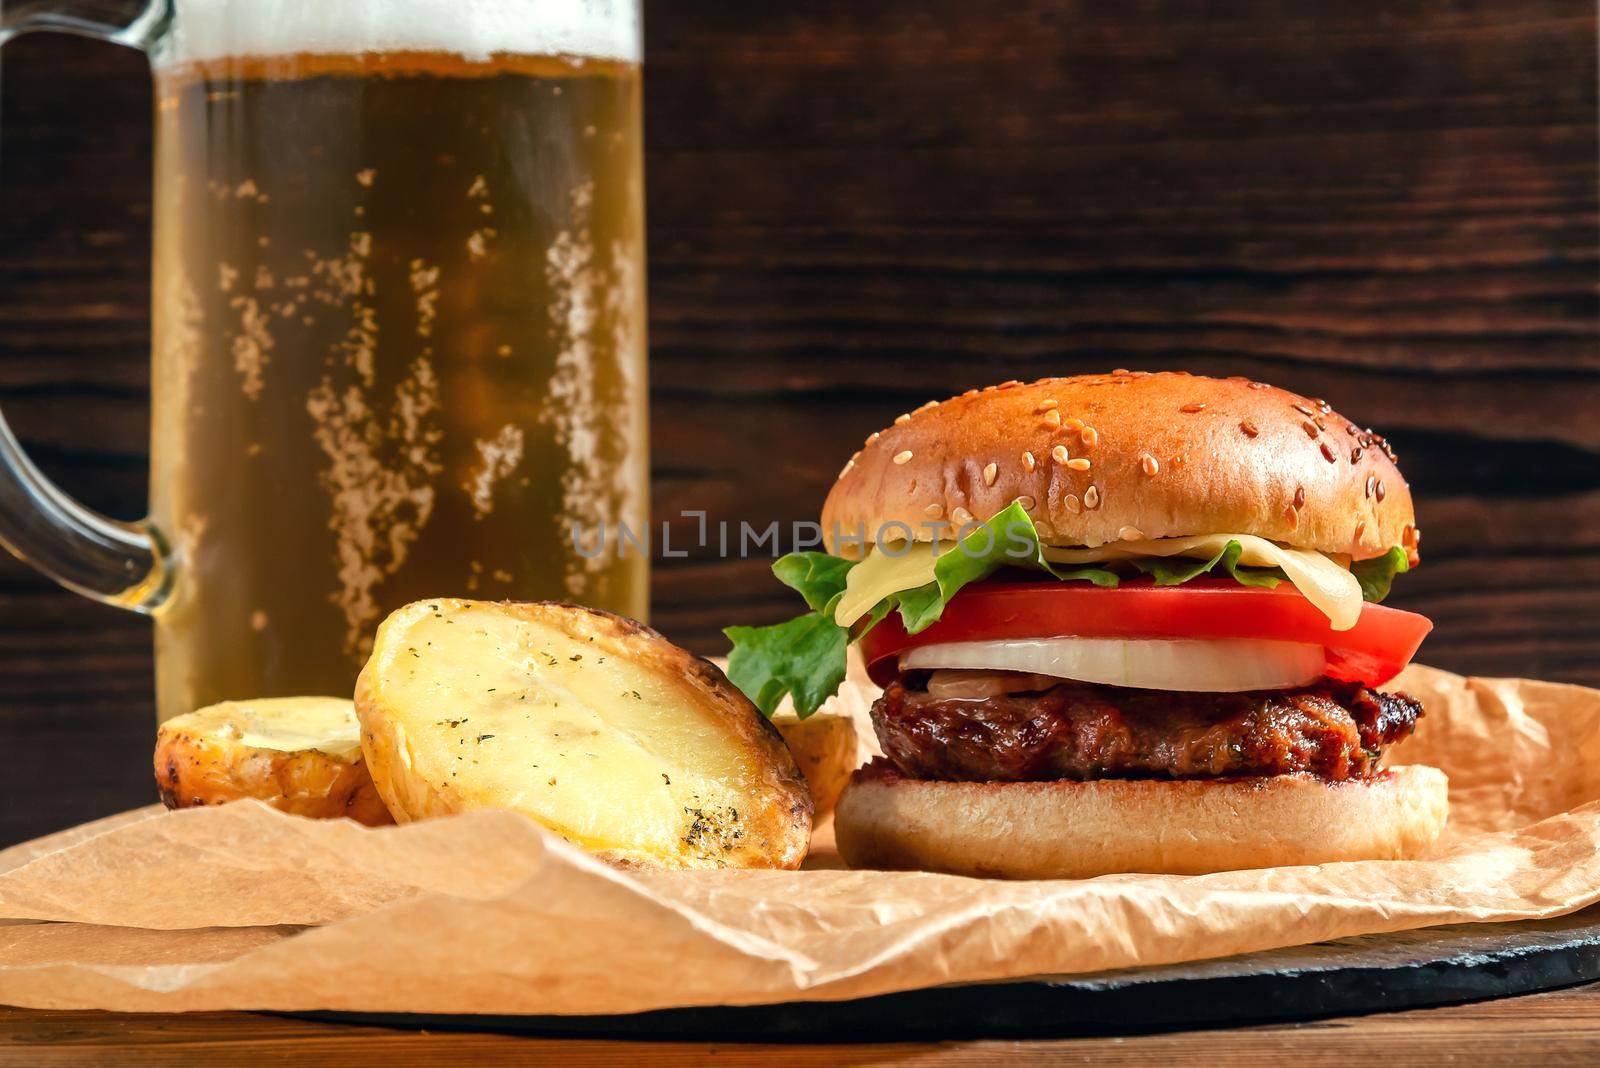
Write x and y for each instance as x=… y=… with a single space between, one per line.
x=1123 y=623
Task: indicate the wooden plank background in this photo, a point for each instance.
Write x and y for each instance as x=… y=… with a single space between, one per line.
x=855 y=206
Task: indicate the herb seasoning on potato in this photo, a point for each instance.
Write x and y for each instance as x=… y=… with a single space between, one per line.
x=593 y=725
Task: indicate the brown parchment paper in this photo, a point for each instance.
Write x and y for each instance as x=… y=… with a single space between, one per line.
x=242 y=907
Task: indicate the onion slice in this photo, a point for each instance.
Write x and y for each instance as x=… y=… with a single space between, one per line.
x=1222 y=665
x=956 y=685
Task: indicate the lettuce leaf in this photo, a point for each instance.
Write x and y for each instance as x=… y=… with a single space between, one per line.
x=818 y=577
x=804 y=657
x=1009 y=539
x=1376 y=575
x=1175 y=570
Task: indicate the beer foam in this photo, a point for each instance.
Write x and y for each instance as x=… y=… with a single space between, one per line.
x=473 y=29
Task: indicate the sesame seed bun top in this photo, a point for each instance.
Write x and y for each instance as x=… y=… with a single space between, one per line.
x=1129 y=455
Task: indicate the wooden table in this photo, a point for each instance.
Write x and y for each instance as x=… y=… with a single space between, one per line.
x=1559 y=1027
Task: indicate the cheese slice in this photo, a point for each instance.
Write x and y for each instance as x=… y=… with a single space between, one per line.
x=884 y=572
x=1325 y=581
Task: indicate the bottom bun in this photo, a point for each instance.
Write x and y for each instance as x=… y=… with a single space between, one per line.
x=1075 y=830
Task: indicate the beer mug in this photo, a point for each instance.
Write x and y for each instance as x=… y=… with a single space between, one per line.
x=397 y=332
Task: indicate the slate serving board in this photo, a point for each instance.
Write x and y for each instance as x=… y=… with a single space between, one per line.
x=1371 y=973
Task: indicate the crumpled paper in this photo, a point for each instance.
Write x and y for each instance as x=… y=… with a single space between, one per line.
x=241 y=907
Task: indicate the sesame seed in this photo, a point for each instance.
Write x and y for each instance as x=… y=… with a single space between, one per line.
x=874 y=436
x=855 y=456
x=902 y=456
x=934 y=510
x=845 y=470
x=1072 y=503
x=1078 y=464
x=1355 y=454
x=1302 y=409
x=931 y=404
x=970 y=393
x=1150 y=464
x=1372 y=482
x=1258 y=385
x=1120 y=371
x=989 y=473
x=1047 y=404
x=1009 y=385
x=1027 y=502
x=1380 y=491
x=1130 y=534
x=1322 y=406
x=1299 y=496
x=1249 y=429
x=960 y=516
x=1293 y=517
x=1027 y=461
x=1353 y=430
x=1328 y=453
x=1052 y=417
x=1091 y=498
x=1361 y=528
x=902 y=419
x=1073 y=422
x=1089 y=435
x=1190 y=409
x=1059 y=454
x=1407 y=535
x=1310 y=429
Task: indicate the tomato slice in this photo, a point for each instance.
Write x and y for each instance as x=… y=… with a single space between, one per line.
x=1372 y=652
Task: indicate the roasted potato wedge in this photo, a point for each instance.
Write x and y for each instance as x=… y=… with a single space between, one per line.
x=592 y=724
x=298 y=754
x=826 y=747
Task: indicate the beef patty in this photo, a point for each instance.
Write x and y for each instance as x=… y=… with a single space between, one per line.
x=1083 y=731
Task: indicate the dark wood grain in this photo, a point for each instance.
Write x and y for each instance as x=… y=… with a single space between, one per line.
x=857 y=206
x=1556 y=1028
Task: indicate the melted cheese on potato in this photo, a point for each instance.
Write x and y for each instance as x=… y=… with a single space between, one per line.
x=284 y=724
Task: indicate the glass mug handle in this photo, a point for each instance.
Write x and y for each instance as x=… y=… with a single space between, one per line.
x=125 y=564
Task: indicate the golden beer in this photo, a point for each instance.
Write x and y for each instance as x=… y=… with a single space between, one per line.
x=399 y=333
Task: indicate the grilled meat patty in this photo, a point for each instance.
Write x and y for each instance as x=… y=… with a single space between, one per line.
x=1082 y=731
